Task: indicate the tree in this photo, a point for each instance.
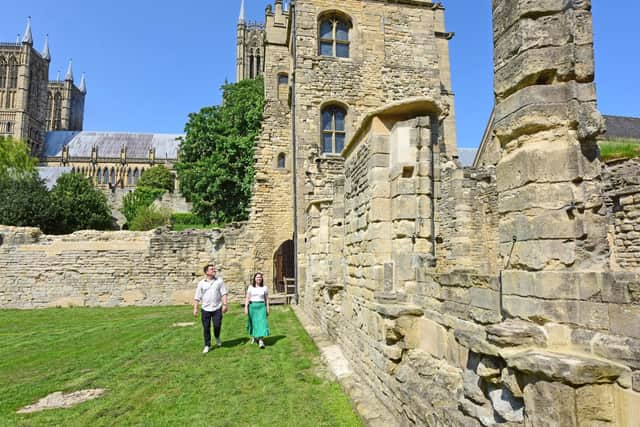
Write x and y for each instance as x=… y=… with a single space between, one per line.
x=139 y=198
x=25 y=202
x=216 y=156
x=157 y=177
x=149 y=217
x=79 y=205
x=15 y=158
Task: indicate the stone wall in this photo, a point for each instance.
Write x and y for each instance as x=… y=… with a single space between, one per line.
x=622 y=189
x=91 y=268
x=487 y=296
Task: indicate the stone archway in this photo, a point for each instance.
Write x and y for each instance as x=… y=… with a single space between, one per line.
x=283 y=267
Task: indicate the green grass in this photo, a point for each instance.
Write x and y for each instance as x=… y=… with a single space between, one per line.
x=619 y=149
x=155 y=375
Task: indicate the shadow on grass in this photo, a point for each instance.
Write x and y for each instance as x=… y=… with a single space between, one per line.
x=245 y=340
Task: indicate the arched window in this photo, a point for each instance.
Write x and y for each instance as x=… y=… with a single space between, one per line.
x=283 y=86
x=334 y=36
x=3 y=72
x=9 y=127
x=113 y=176
x=282 y=161
x=99 y=177
x=73 y=170
x=129 y=177
x=258 y=64
x=105 y=176
x=13 y=73
x=251 y=65
x=136 y=176
x=57 y=111
x=49 y=111
x=333 y=129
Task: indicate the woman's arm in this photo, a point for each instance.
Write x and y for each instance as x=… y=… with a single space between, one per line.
x=266 y=301
x=246 y=302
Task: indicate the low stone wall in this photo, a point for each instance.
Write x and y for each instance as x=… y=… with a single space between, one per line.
x=91 y=268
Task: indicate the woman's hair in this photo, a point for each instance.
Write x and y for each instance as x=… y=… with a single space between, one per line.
x=253 y=282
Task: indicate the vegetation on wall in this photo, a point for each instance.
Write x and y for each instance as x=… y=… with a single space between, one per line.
x=216 y=156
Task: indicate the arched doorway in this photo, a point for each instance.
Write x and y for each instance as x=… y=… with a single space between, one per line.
x=283 y=268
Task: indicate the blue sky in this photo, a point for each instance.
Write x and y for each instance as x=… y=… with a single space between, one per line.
x=150 y=63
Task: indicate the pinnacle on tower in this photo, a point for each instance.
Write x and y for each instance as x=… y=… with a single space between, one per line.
x=69 y=75
x=28 y=38
x=58 y=76
x=45 y=52
x=83 y=85
x=241 y=16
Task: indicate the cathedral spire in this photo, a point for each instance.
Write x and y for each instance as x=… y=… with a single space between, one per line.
x=241 y=16
x=45 y=52
x=28 y=38
x=83 y=85
x=69 y=75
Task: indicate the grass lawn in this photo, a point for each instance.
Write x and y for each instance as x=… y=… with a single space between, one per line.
x=155 y=374
x=619 y=149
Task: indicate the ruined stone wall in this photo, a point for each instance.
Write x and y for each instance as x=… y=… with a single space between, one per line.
x=622 y=189
x=91 y=268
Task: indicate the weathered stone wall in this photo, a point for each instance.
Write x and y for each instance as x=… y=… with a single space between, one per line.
x=622 y=189
x=90 y=268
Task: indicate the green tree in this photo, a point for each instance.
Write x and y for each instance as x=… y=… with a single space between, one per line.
x=157 y=177
x=139 y=198
x=79 y=205
x=15 y=158
x=25 y=202
x=216 y=156
x=148 y=218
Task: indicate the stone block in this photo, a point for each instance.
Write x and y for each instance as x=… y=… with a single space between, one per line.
x=516 y=332
x=570 y=368
x=537 y=254
x=428 y=336
x=625 y=320
x=485 y=298
x=404 y=207
x=549 y=196
x=595 y=404
x=627 y=403
x=621 y=349
x=549 y=404
x=404 y=228
x=544 y=160
x=546 y=225
x=557 y=335
x=509 y=407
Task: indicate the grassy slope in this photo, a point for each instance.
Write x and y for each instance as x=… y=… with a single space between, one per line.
x=155 y=374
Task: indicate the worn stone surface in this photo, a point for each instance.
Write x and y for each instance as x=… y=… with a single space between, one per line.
x=549 y=404
x=570 y=368
x=62 y=400
x=515 y=332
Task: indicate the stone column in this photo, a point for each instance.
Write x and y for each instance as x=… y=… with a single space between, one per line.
x=551 y=222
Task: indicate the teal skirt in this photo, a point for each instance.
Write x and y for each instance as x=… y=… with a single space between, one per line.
x=257 y=324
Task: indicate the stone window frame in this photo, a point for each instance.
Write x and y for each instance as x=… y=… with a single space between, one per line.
x=280 y=84
x=335 y=17
x=12 y=74
x=333 y=105
x=281 y=161
x=4 y=72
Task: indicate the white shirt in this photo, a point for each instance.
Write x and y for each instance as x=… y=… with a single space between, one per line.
x=257 y=293
x=210 y=294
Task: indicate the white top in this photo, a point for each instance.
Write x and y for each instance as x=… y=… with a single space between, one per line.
x=210 y=294
x=257 y=293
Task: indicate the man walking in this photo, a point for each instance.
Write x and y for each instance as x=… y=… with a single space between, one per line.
x=212 y=293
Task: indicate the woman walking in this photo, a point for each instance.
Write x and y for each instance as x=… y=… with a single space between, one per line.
x=256 y=307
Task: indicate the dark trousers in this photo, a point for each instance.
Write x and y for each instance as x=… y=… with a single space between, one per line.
x=207 y=318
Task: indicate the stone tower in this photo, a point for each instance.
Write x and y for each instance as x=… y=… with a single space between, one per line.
x=326 y=70
x=30 y=105
x=249 y=47
x=65 y=103
x=23 y=90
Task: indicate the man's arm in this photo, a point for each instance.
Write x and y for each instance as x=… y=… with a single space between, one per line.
x=195 y=307
x=224 y=303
